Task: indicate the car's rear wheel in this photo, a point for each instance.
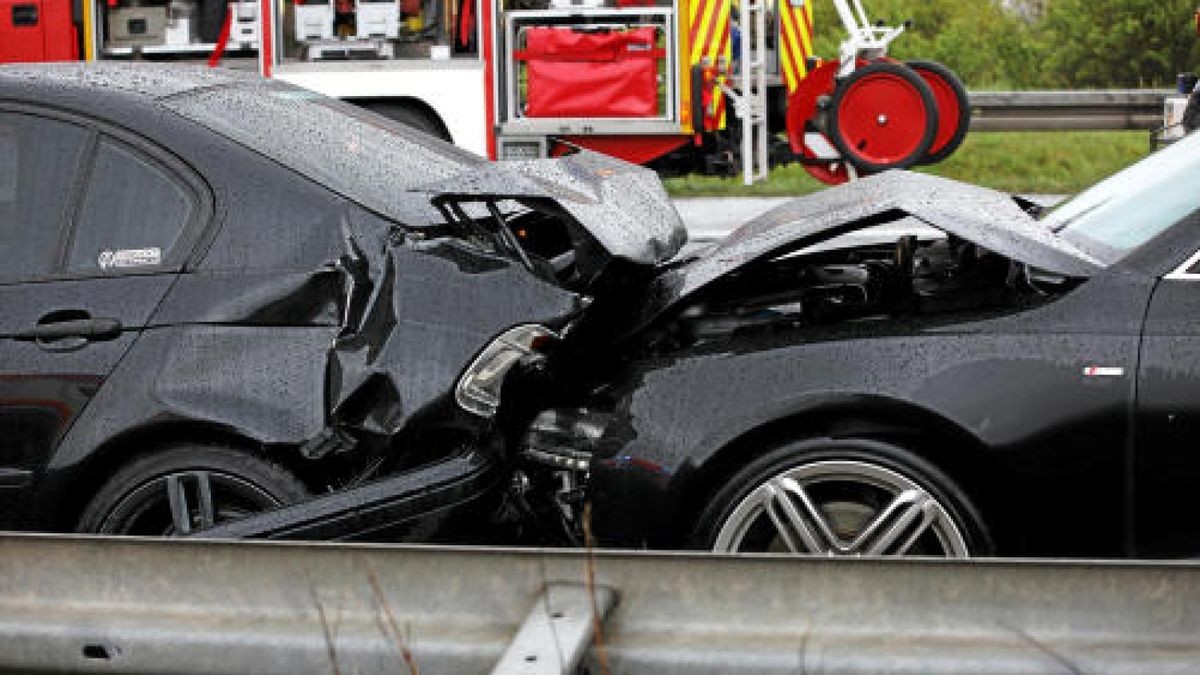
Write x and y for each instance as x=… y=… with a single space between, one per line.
x=187 y=489
x=842 y=497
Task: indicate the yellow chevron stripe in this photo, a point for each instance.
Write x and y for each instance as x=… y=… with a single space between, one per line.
x=725 y=49
x=717 y=48
x=705 y=20
x=792 y=44
x=805 y=34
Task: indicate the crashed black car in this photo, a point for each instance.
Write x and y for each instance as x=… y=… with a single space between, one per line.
x=223 y=295
x=905 y=365
x=226 y=296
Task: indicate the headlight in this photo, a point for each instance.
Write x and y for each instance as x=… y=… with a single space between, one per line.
x=478 y=390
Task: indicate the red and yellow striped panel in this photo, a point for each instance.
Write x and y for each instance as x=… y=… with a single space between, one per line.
x=795 y=41
x=709 y=35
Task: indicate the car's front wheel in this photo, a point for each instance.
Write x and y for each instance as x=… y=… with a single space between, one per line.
x=187 y=489
x=842 y=497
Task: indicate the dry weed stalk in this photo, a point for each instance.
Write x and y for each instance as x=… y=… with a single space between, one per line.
x=590 y=561
x=392 y=627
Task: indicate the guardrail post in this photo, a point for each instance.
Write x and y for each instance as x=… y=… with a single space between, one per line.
x=555 y=635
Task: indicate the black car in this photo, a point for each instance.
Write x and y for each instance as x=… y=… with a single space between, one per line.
x=905 y=365
x=222 y=295
x=227 y=296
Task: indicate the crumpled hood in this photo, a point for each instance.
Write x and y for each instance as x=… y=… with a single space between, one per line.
x=985 y=217
x=622 y=206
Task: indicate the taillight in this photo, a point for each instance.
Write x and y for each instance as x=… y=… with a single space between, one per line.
x=478 y=389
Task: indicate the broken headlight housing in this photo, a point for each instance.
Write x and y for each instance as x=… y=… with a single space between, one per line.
x=478 y=389
x=564 y=438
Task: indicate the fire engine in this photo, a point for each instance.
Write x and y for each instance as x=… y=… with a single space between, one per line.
x=718 y=86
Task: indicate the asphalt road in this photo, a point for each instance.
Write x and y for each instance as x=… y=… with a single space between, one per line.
x=711 y=218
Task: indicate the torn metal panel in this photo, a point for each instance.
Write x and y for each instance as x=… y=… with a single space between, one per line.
x=416 y=314
x=985 y=217
x=370 y=342
x=623 y=206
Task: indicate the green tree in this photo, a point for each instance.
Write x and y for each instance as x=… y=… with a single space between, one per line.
x=1055 y=43
x=988 y=47
x=1117 y=43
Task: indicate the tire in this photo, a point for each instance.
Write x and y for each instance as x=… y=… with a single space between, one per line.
x=412 y=117
x=882 y=116
x=847 y=497
x=141 y=498
x=953 y=106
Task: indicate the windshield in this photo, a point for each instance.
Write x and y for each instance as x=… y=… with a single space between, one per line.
x=356 y=153
x=1129 y=208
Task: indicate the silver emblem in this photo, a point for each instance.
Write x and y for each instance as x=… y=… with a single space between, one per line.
x=130 y=257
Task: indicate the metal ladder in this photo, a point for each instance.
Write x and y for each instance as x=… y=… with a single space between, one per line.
x=750 y=104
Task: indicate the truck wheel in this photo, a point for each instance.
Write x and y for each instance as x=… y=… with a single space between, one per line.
x=842 y=497
x=411 y=116
x=211 y=19
x=953 y=107
x=186 y=489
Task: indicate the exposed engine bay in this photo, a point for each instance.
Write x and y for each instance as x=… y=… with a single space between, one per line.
x=911 y=276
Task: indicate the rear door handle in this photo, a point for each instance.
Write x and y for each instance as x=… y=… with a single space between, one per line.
x=87 y=329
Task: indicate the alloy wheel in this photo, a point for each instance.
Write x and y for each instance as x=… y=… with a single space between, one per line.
x=841 y=508
x=183 y=502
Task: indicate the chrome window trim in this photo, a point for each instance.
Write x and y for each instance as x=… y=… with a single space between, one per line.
x=1181 y=273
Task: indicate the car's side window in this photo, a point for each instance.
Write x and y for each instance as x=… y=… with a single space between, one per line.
x=132 y=214
x=39 y=164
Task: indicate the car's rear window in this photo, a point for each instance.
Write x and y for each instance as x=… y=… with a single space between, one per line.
x=354 y=152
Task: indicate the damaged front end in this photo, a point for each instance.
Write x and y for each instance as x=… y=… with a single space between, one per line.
x=896 y=254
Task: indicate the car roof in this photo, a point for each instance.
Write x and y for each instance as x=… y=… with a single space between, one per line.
x=171 y=104
x=141 y=80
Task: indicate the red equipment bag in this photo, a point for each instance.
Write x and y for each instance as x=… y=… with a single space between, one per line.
x=573 y=73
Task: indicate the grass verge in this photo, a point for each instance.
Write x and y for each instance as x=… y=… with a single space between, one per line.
x=1022 y=162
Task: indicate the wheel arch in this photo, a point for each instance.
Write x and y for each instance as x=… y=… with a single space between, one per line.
x=962 y=456
x=74 y=490
x=380 y=104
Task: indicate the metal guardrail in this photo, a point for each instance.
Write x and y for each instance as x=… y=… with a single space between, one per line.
x=128 y=605
x=1140 y=109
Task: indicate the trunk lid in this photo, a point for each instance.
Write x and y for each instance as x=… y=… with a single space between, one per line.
x=622 y=206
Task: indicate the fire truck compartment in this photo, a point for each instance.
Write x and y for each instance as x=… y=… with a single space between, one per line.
x=591 y=73
x=36 y=30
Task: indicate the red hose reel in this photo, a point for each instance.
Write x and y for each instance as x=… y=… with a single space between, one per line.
x=882 y=114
